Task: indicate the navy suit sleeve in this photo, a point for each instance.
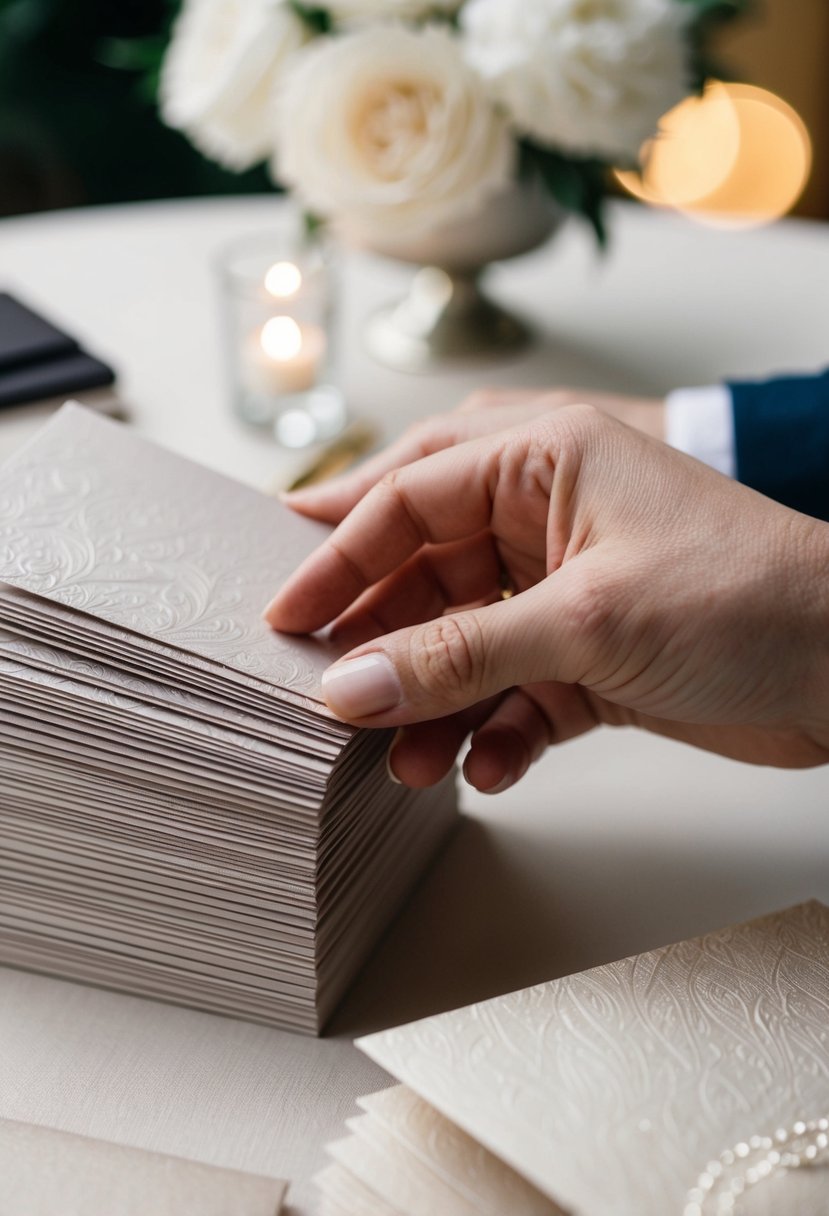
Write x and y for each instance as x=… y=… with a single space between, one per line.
x=781 y=431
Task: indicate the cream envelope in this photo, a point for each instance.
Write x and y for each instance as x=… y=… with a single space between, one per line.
x=46 y=1173
x=343 y=1194
x=610 y=1092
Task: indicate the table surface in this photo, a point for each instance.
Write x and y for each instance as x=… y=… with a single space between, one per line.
x=616 y=843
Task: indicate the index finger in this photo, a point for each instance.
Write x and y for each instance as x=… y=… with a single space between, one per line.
x=330 y=501
x=444 y=497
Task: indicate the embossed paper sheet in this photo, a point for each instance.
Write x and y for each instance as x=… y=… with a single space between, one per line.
x=611 y=1090
x=95 y=518
x=418 y=1162
x=180 y=816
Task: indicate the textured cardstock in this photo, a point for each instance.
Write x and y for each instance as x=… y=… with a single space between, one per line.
x=454 y=1159
x=182 y=817
x=611 y=1090
x=96 y=518
x=51 y=1173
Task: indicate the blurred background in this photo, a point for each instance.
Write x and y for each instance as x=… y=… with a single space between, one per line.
x=78 y=117
x=79 y=125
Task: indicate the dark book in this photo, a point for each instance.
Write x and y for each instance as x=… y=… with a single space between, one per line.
x=38 y=360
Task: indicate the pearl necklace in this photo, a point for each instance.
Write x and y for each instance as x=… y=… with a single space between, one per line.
x=722 y=1182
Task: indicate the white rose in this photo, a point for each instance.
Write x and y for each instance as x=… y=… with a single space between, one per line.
x=372 y=10
x=389 y=130
x=587 y=76
x=220 y=73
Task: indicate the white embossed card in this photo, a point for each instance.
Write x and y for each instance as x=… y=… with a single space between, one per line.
x=180 y=815
x=612 y=1091
x=99 y=520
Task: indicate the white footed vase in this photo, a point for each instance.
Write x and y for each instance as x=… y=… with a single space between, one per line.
x=446 y=316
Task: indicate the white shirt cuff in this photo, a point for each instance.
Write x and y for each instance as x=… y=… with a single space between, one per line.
x=700 y=422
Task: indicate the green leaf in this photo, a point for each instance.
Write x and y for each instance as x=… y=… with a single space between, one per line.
x=131 y=54
x=23 y=20
x=318 y=18
x=707 y=17
x=314 y=225
x=577 y=183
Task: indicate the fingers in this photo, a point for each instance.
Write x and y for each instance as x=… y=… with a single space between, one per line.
x=509 y=734
x=438 y=578
x=446 y=497
x=505 y=746
x=453 y=662
x=518 y=732
x=423 y=754
x=331 y=501
x=481 y=414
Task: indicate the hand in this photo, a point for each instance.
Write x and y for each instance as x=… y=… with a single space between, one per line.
x=483 y=413
x=651 y=592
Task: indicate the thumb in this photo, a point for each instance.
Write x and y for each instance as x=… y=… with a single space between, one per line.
x=448 y=664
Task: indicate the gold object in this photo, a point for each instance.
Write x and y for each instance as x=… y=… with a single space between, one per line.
x=352 y=443
x=507 y=587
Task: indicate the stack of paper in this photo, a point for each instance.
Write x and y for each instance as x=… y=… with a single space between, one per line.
x=669 y=1083
x=180 y=816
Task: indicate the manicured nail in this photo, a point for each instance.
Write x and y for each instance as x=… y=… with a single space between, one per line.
x=391 y=773
x=361 y=687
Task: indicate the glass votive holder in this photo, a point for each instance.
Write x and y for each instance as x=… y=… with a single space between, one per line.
x=279 y=298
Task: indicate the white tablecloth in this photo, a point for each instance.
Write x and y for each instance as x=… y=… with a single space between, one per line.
x=615 y=844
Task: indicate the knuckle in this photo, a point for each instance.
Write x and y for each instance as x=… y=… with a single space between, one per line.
x=390 y=481
x=391 y=488
x=582 y=416
x=571 y=431
x=394 y=492
x=428 y=435
x=593 y=610
x=447 y=655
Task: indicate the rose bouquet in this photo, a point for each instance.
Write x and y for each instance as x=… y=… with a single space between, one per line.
x=397 y=117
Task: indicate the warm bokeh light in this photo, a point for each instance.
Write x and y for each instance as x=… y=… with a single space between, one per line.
x=283 y=280
x=696 y=149
x=737 y=156
x=281 y=339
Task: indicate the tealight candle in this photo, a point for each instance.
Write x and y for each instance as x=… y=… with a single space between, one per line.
x=279 y=294
x=283 y=357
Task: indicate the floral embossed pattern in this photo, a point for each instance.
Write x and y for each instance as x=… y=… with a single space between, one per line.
x=180 y=815
x=100 y=521
x=610 y=1090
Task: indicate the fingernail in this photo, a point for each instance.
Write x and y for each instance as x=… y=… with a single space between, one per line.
x=361 y=687
x=503 y=784
x=266 y=615
x=271 y=613
x=389 y=769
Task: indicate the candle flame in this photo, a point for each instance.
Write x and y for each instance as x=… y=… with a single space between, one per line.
x=281 y=339
x=283 y=280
